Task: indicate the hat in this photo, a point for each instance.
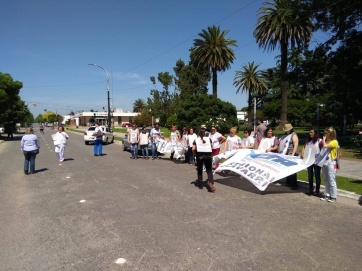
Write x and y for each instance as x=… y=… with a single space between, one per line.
x=203 y=126
x=287 y=127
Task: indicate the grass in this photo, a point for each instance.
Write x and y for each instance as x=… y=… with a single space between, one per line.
x=343 y=183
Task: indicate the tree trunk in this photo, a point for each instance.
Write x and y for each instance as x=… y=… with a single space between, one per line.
x=250 y=113
x=214 y=82
x=283 y=84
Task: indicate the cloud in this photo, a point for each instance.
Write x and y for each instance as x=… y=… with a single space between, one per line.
x=132 y=78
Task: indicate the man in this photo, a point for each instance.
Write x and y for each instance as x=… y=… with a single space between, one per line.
x=260 y=129
x=98 y=133
x=133 y=139
x=155 y=135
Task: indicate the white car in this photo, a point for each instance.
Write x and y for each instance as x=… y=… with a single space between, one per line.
x=2 y=129
x=107 y=137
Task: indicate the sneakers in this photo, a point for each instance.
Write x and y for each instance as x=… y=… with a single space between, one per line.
x=331 y=200
x=211 y=186
x=325 y=198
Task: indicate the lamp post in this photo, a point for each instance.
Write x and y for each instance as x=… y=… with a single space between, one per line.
x=109 y=104
x=318 y=115
x=255 y=93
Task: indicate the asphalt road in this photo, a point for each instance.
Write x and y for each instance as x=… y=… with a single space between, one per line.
x=149 y=214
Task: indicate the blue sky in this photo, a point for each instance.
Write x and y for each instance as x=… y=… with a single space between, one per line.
x=48 y=45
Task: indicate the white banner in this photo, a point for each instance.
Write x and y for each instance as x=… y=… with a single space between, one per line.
x=262 y=168
x=167 y=147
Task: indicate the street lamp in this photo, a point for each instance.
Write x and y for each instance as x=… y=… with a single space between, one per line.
x=254 y=94
x=109 y=105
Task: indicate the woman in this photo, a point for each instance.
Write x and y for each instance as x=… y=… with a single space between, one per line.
x=60 y=141
x=190 y=141
x=248 y=141
x=144 y=140
x=269 y=142
x=175 y=138
x=233 y=141
x=329 y=168
x=134 y=138
x=203 y=152
x=315 y=142
x=155 y=137
x=216 y=139
x=289 y=146
x=30 y=147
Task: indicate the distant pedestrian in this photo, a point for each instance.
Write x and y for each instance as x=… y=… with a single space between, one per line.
x=315 y=142
x=260 y=129
x=203 y=152
x=175 y=138
x=144 y=141
x=60 y=141
x=98 y=141
x=155 y=135
x=134 y=139
x=190 y=142
x=329 y=168
x=10 y=131
x=41 y=128
x=30 y=147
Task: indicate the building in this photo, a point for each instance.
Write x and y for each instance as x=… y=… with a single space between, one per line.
x=89 y=118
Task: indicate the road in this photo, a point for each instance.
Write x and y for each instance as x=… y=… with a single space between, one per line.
x=149 y=214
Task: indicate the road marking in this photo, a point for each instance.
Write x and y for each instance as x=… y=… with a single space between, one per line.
x=120 y=261
x=67 y=177
x=82 y=201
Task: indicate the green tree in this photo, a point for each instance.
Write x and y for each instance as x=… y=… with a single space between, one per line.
x=139 y=105
x=212 y=52
x=287 y=23
x=252 y=81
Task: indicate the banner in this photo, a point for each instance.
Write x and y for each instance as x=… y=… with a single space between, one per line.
x=167 y=147
x=262 y=168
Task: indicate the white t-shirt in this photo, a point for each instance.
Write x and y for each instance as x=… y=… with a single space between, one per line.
x=143 y=138
x=133 y=136
x=247 y=141
x=233 y=142
x=215 y=138
x=155 y=134
x=191 y=139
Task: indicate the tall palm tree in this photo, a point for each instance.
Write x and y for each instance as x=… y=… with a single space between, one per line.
x=138 y=105
x=213 y=52
x=283 y=22
x=252 y=81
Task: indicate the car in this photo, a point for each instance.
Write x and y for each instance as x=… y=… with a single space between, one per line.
x=107 y=137
x=126 y=124
x=127 y=145
x=2 y=129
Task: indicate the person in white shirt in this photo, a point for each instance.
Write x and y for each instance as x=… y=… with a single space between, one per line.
x=175 y=138
x=133 y=139
x=216 y=139
x=155 y=136
x=98 y=133
x=190 y=141
x=248 y=140
x=60 y=141
x=144 y=140
x=233 y=141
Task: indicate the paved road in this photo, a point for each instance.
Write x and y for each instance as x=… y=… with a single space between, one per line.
x=148 y=213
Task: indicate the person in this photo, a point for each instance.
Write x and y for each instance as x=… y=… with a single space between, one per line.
x=202 y=150
x=30 y=147
x=155 y=136
x=313 y=170
x=329 y=168
x=190 y=142
x=133 y=139
x=289 y=146
x=175 y=138
x=269 y=142
x=233 y=141
x=144 y=140
x=247 y=141
x=10 y=131
x=185 y=133
x=260 y=130
x=98 y=133
x=41 y=128
x=216 y=139
x=60 y=141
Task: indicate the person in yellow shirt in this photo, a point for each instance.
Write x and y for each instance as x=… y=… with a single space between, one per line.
x=330 y=166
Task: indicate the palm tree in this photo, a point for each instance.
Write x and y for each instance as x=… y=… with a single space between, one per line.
x=213 y=52
x=252 y=81
x=283 y=22
x=138 y=105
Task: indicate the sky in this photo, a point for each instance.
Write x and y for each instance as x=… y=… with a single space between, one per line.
x=48 y=44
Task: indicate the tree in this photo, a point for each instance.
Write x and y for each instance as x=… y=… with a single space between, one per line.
x=287 y=23
x=212 y=52
x=138 y=105
x=250 y=80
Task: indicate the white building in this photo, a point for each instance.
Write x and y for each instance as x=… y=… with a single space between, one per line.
x=117 y=118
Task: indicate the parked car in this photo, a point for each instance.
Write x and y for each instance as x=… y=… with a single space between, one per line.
x=127 y=145
x=2 y=129
x=126 y=124
x=107 y=137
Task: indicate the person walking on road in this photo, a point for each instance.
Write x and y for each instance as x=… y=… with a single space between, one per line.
x=30 y=147
x=98 y=133
x=60 y=141
x=134 y=139
x=203 y=151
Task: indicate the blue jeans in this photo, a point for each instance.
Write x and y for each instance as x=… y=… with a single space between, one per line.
x=29 y=159
x=144 y=149
x=134 y=150
x=154 y=150
x=315 y=171
x=329 y=176
x=98 y=146
x=190 y=155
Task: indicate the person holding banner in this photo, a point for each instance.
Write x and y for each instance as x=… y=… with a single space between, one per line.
x=155 y=135
x=233 y=141
x=269 y=142
x=329 y=167
x=216 y=139
x=317 y=143
x=289 y=146
x=175 y=138
x=134 y=138
x=203 y=152
x=248 y=140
